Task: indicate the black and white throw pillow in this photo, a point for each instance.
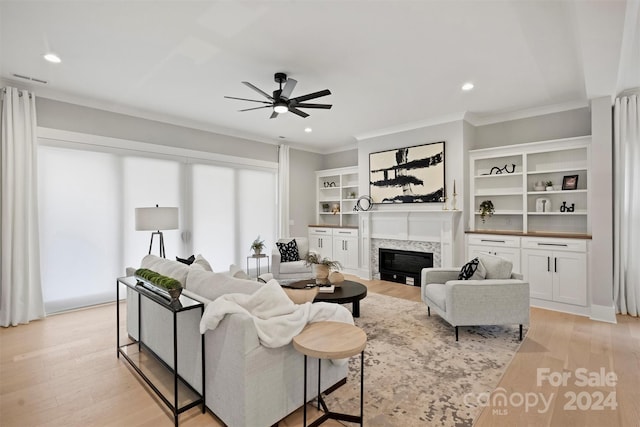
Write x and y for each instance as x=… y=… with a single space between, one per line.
x=473 y=270
x=288 y=251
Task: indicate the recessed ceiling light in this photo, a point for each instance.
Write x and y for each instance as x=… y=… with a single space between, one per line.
x=52 y=57
x=467 y=86
x=308 y=130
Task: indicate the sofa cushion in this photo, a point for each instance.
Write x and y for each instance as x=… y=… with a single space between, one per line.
x=473 y=270
x=202 y=262
x=166 y=267
x=288 y=251
x=496 y=267
x=437 y=293
x=238 y=272
x=212 y=285
x=294 y=267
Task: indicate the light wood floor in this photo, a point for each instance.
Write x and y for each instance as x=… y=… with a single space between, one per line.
x=63 y=371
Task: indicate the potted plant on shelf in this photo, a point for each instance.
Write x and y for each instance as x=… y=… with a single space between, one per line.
x=257 y=246
x=325 y=207
x=321 y=266
x=549 y=185
x=486 y=209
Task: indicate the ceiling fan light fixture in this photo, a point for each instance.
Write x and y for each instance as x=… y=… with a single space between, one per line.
x=280 y=107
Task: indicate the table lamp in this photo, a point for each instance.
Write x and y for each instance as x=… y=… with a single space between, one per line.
x=156 y=219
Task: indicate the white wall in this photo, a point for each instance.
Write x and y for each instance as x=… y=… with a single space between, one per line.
x=72 y=117
x=302 y=189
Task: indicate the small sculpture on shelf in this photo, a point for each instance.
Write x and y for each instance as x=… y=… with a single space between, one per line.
x=565 y=208
x=498 y=171
x=486 y=210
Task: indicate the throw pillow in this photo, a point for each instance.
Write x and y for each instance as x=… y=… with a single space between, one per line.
x=473 y=270
x=237 y=272
x=187 y=261
x=288 y=251
x=497 y=267
x=202 y=263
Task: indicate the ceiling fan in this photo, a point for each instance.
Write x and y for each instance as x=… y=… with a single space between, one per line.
x=281 y=102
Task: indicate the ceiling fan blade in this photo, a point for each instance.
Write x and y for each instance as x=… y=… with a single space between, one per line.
x=303 y=105
x=298 y=112
x=273 y=115
x=261 y=92
x=245 y=99
x=256 y=108
x=288 y=88
x=311 y=96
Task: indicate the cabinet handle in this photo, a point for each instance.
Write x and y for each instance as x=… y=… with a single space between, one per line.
x=345 y=245
x=343 y=232
x=564 y=245
x=548 y=264
x=555 y=265
x=493 y=241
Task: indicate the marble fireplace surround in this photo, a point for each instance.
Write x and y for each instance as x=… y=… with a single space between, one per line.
x=424 y=231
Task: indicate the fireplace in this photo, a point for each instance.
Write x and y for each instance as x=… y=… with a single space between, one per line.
x=403 y=266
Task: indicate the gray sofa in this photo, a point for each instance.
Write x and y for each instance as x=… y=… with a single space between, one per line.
x=488 y=301
x=247 y=384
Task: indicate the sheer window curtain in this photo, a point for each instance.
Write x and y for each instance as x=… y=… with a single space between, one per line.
x=283 y=191
x=626 y=140
x=21 y=290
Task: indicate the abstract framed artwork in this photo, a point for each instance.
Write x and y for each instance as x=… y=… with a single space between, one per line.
x=408 y=175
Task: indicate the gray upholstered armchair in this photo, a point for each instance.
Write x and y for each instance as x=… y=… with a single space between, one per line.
x=292 y=269
x=475 y=302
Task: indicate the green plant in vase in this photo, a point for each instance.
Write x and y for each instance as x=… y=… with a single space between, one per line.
x=486 y=210
x=322 y=267
x=257 y=246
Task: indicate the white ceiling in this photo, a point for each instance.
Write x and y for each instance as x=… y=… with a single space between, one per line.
x=389 y=64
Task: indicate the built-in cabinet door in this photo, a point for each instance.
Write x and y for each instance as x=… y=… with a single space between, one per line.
x=345 y=251
x=570 y=277
x=537 y=270
x=321 y=242
x=556 y=276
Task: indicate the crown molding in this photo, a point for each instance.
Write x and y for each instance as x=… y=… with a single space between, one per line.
x=481 y=120
x=432 y=121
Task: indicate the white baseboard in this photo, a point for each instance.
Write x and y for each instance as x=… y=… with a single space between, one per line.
x=603 y=313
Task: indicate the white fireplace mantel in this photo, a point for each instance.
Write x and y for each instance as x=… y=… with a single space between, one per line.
x=409 y=225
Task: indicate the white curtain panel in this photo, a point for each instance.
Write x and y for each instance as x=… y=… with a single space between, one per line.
x=626 y=127
x=21 y=290
x=283 y=191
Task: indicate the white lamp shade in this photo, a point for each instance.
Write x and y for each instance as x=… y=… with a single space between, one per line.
x=156 y=219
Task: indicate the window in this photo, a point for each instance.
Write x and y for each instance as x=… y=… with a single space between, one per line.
x=88 y=195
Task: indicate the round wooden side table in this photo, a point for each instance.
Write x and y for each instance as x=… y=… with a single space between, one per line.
x=331 y=340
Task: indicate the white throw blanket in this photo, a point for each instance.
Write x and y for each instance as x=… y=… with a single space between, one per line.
x=277 y=319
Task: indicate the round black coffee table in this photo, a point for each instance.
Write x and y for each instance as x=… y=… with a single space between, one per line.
x=349 y=292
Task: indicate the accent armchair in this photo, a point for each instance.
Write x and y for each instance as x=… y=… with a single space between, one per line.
x=475 y=302
x=291 y=269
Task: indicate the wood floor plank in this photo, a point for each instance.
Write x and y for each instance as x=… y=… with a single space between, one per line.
x=63 y=371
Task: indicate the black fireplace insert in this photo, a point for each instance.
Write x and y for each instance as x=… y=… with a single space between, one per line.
x=403 y=266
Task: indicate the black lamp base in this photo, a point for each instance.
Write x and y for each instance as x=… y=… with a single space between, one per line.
x=162 y=254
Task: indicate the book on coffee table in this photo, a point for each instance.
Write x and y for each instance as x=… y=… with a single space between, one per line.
x=326 y=289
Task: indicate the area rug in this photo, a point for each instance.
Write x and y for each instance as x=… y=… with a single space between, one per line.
x=416 y=374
